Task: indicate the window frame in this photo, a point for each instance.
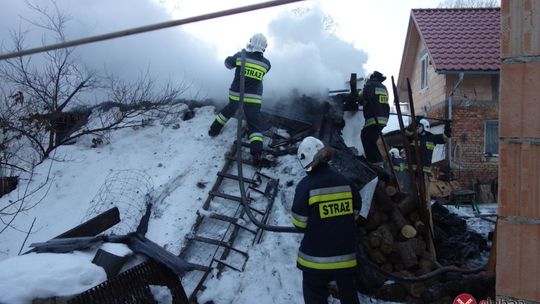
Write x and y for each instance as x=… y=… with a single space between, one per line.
x=486 y=123
x=424 y=63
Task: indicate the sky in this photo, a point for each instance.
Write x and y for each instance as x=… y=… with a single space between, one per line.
x=313 y=45
x=176 y=163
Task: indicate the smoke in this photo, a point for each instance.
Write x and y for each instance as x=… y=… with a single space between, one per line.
x=167 y=55
x=306 y=57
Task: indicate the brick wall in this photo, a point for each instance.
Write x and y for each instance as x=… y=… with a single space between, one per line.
x=469 y=162
x=518 y=226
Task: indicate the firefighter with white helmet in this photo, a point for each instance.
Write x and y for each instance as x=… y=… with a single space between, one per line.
x=326 y=205
x=256 y=67
x=427 y=142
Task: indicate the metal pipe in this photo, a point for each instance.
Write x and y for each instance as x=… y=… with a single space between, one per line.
x=147 y=28
x=450 y=99
x=244 y=201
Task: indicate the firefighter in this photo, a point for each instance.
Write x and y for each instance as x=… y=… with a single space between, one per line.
x=376 y=113
x=426 y=141
x=255 y=68
x=325 y=207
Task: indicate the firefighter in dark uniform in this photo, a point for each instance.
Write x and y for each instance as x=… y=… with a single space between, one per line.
x=255 y=68
x=376 y=113
x=427 y=142
x=326 y=205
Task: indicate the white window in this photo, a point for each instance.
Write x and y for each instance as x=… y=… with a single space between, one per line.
x=491 y=137
x=424 y=62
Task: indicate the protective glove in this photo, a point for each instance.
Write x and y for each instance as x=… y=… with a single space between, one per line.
x=447 y=130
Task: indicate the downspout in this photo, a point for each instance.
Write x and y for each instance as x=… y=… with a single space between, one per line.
x=450 y=98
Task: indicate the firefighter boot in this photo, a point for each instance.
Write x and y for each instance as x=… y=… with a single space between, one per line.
x=215 y=128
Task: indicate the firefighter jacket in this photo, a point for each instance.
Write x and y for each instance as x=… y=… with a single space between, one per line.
x=256 y=67
x=375 y=97
x=427 y=142
x=325 y=206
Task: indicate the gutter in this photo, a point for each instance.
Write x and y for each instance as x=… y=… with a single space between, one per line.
x=450 y=98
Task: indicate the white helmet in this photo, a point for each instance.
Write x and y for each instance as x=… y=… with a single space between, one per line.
x=257 y=43
x=307 y=150
x=425 y=124
x=394 y=152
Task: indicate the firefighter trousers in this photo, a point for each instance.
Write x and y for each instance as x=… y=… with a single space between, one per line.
x=253 y=119
x=369 y=136
x=315 y=288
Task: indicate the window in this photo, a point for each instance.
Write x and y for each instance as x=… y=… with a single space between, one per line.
x=491 y=136
x=424 y=61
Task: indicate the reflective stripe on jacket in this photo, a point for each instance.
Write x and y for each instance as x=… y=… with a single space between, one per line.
x=256 y=67
x=325 y=206
x=427 y=143
x=375 y=96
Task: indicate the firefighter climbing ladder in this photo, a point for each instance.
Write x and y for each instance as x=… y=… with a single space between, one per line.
x=221 y=236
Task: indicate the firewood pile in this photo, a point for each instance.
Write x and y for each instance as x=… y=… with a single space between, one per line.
x=394 y=238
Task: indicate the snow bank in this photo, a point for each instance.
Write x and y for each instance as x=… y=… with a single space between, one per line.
x=44 y=275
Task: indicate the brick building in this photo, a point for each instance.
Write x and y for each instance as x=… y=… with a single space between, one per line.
x=451 y=57
x=518 y=225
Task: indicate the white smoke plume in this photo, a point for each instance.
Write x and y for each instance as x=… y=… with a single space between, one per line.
x=306 y=57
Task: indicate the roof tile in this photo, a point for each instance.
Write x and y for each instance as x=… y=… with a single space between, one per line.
x=465 y=39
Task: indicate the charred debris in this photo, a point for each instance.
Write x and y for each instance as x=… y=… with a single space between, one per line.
x=396 y=263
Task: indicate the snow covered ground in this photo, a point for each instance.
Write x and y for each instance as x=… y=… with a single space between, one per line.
x=179 y=163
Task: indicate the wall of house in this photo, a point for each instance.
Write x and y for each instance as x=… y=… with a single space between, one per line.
x=518 y=226
x=425 y=99
x=474 y=102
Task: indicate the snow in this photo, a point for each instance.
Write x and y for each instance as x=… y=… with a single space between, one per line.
x=120 y=250
x=44 y=275
x=178 y=163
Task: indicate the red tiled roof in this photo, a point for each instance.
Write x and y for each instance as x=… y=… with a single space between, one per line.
x=461 y=39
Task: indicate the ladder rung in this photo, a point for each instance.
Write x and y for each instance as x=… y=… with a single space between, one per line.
x=235 y=177
x=225 y=195
x=231 y=220
x=233 y=198
x=228 y=265
x=244 y=161
x=216 y=242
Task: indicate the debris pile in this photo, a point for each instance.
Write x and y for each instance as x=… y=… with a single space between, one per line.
x=393 y=238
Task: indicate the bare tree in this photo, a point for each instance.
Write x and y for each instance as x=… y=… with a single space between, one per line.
x=56 y=84
x=50 y=87
x=38 y=94
x=469 y=3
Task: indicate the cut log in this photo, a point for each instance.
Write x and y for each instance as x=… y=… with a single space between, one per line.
x=414 y=217
x=374 y=220
x=390 y=190
x=387 y=242
x=377 y=256
x=397 y=218
x=384 y=202
x=407 y=205
x=420 y=227
x=408 y=232
x=375 y=239
x=386 y=248
x=407 y=252
x=425 y=266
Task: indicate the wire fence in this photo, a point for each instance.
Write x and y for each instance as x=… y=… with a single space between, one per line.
x=130 y=191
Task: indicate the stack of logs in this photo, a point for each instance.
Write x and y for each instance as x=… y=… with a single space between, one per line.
x=393 y=235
